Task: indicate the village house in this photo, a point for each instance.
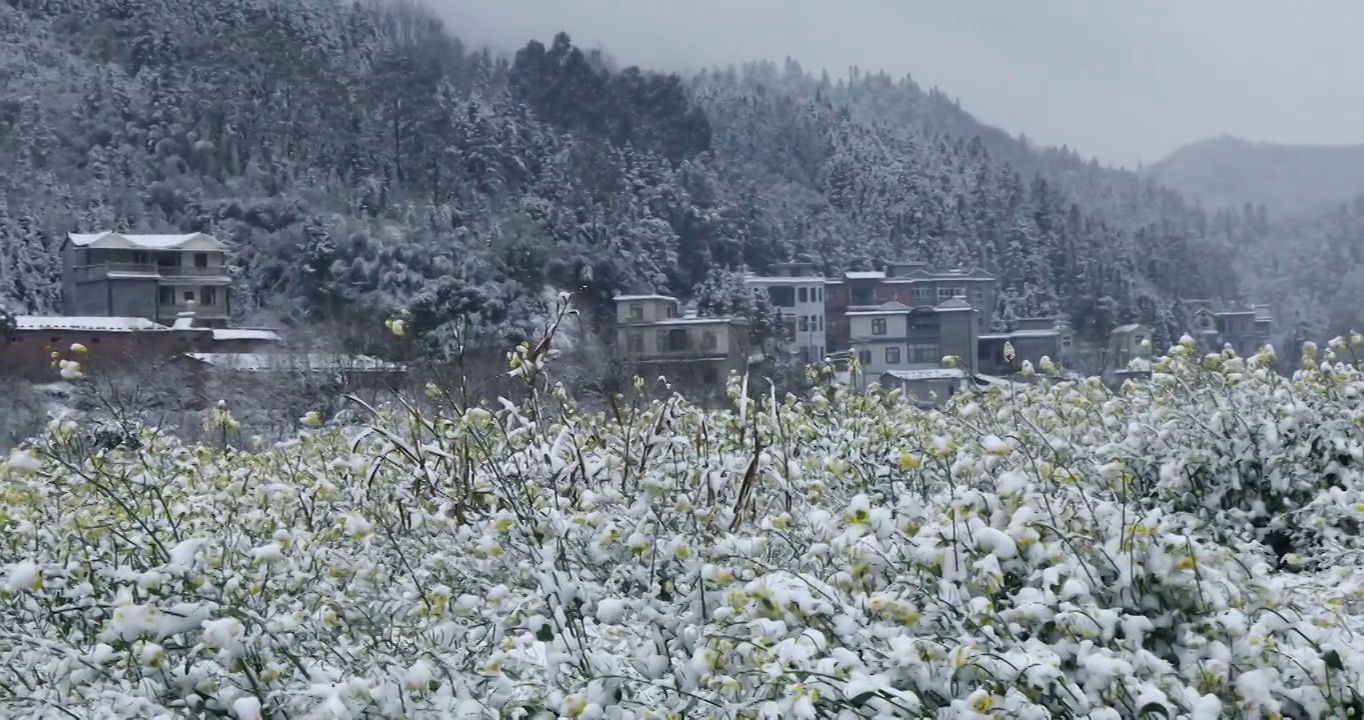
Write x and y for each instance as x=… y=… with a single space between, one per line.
x=156 y=277
x=1246 y=329
x=929 y=387
x=655 y=335
x=1128 y=342
x=798 y=293
x=150 y=302
x=894 y=337
x=911 y=283
x=1031 y=339
x=122 y=343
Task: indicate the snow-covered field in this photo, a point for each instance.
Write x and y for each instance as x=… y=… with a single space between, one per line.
x=1051 y=552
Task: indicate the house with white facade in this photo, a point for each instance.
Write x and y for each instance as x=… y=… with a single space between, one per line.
x=798 y=293
x=894 y=337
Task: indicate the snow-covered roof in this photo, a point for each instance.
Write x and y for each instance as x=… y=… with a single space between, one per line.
x=1034 y=333
x=954 y=304
x=107 y=239
x=85 y=324
x=639 y=298
x=998 y=381
x=245 y=334
x=864 y=275
x=934 y=374
x=292 y=361
x=1130 y=327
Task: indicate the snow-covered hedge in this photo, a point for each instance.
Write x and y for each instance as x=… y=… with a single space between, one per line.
x=1055 y=552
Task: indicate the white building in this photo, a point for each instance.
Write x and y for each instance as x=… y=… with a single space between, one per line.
x=798 y=293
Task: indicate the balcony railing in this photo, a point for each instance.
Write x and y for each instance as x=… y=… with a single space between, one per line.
x=192 y=271
x=91 y=272
x=101 y=270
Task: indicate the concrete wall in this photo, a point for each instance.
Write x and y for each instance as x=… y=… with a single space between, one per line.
x=957 y=336
x=861 y=327
x=652 y=309
x=29 y=354
x=88 y=298
x=923 y=390
x=653 y=340
x=132 y=298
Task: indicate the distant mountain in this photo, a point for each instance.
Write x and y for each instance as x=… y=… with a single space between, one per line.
x=1288 y=179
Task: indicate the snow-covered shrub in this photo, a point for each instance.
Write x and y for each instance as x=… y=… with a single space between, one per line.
x=1054 y=551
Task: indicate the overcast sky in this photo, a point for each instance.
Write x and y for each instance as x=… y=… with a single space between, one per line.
x=1126 y=80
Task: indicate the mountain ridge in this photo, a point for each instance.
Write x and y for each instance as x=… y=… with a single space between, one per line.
x=1290 y=179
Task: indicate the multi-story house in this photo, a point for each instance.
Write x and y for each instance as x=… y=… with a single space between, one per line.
x=894 y=337
x=1128 y=342
x=798 y=293
x=653 y=332
x=156 y=277
x=1031 y=339
x=910 y=283
x=1246 y=330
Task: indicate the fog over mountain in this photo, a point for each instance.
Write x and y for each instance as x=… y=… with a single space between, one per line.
x=1289 y=179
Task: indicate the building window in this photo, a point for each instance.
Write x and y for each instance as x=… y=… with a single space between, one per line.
x=804 y=323
x=678 y=340
x=168 y=259
x=921 y=293
x=166 y=296
x=1065 y=342
x=200 y=260
x=820 y=320
x=803 y=295
x=782 y=296
x=893 y=355
x=671 y=311
x=864 y=357
x=878 y=326
x=636 y=312
x=634 y=343
x=210 y=295
x=923 y=353
x=709 y=341
x=945 y=293
x=141 y=258
x=189 y=296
